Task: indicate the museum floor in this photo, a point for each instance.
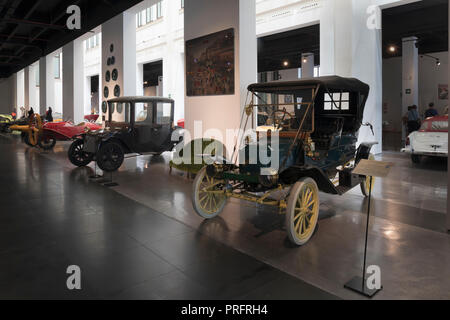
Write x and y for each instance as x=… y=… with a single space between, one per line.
x=141 y=239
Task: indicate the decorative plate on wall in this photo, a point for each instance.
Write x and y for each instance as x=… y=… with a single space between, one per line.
x=119 y=108
x=108 y=76
x=117 y=91
x=111 y=48
x=108 y=62
x=104 y=107
x=106 y=92
x=115 y=74
x=113 y=60
x=112 y=106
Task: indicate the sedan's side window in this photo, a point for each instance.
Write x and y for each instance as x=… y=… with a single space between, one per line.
x=163 y=113
x=143 y=113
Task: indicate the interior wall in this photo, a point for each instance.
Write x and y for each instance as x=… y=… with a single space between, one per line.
x=203 y=17
x=430 y=77
x=6 y=103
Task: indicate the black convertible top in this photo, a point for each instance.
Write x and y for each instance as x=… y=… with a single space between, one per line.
x=331 y=83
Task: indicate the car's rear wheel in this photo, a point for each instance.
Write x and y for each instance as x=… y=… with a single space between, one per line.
x=47 y=143
x=77 y=156
x=302 y=211
x=26 y=139
x=208 y=198
x=110 y=156
x=415 y=158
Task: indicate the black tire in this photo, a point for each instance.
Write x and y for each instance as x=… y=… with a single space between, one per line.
x=26 y=139
x=47 y=143
x=110 y=156
x=77 y=156
x=415 y=158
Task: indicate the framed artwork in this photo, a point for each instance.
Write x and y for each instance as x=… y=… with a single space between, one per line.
x=210 y=64
x=443 y=92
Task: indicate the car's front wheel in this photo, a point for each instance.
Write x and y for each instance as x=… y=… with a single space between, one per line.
x=415 y=158
x=302 y=211
x=208 y=197
x=110 y=156
x=77 y=156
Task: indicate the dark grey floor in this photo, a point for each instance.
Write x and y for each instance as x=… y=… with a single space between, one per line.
x=52 y=217
x=407 y=236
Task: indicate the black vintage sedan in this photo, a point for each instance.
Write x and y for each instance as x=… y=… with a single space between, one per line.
x=142 y=125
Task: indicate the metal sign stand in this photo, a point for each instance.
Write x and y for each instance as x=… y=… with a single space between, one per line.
x=109 y=183
x=371 y=169
x=95 y=176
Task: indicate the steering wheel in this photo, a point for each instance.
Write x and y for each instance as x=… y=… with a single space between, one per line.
x=280 y=116
x=35 y=129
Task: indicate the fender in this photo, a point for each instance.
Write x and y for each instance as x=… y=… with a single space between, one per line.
x=294 y=173
x=363 y=151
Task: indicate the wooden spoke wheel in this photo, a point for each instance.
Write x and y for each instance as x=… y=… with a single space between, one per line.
x=366 y=186
x=302 y=211
x=35 y=129
x=208 y=197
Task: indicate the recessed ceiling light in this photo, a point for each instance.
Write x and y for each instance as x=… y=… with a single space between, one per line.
x=392 y=49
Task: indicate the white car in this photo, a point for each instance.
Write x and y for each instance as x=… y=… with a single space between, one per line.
x=430 y=140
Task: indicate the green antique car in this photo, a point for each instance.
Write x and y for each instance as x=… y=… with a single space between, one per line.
x=309 y=131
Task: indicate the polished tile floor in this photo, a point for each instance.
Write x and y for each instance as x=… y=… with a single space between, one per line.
x=407 y=236
x=52 y=216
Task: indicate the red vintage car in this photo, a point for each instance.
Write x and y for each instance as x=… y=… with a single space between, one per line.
x=63 y=131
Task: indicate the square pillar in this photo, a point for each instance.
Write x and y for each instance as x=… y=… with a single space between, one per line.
x=26 y=84
x=348 y=48
x=205 y=17
x=410 y=76
x=20 y=90
x=46 y=84
x=307 y=65
x=448 y=191
x=32 y=97
x=119 y=55
x=13 y=94
x=72 y=84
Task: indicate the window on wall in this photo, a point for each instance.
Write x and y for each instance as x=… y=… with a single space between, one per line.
x=159 y=10
x=93 y=41
x=149 y=15
x=182 y=3
x=57 y=66
x=36 y=75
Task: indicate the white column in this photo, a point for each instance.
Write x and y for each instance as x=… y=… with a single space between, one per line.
x=72 y=84
x=140 y=79
x=204 y=17
x=32 y=99
x=20 y=90
x=87 y=95
x=173 y=62
x=448 y=177
x=120 y=32
x=26 y=86
x=307 y=65
x=410 y=75
x=348 y=48
x=13 y=84
x=46 y=83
